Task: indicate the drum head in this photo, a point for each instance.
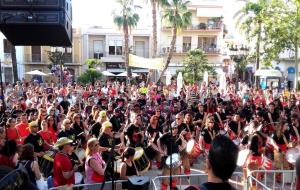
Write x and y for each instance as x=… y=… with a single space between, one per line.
x=292 y=155
x=190 y=146
x=175 y=160
x=242 y=157
x=138 y=153
x=78 y=177
x=80 y=153
x=49 y=156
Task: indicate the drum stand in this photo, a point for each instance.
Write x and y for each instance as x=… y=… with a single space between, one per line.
x=110 y=163
x=171 y=161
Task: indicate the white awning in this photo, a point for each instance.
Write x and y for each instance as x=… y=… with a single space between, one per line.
x=209 y=12
x=116 y=70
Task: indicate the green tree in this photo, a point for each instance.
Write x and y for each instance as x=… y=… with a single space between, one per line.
x=91 y=75
x=250 y=20
x=93 y=63
x=56 y=58
x=194 y=66
x=126 y=19
x=177 y=16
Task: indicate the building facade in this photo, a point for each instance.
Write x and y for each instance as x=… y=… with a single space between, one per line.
x=36 y=58
x=6 y=61
x=107 y=44
x=206 y=33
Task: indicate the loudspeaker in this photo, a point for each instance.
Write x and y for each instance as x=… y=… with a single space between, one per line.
x=51 y=28
x=37 y=5
x=138 y=183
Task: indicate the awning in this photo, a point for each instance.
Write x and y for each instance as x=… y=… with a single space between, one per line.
x=209 y=12
x=268 y=73
x=116 y=70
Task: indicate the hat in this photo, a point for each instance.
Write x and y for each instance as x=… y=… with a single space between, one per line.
x=62 y=141
x=33 y=124
x=102 y=113
x=174 y=125
x=106 y=124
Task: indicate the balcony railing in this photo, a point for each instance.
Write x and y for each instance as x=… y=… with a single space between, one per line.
x=68 y=58
x=200 y=27
x=184 y=50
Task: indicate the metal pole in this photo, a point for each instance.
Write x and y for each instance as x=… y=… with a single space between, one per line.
x=2 y=90
x=61 y=73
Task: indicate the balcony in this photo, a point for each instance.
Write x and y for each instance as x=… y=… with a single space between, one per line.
x=200 y=28
x=33 y=58
x=183 y=50
x=68 y=58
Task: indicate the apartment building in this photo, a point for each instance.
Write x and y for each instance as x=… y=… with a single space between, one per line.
x=206 y=33
x=6 y=61
x=36 y=58
x=107 y=44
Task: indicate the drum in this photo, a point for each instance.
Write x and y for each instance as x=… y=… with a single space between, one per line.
x=193 y=148
x=292 y=154
x=175 y=164
x=242 y=157
x=80 y=153
x=46 y=163
x=140 y=160
x=78 y=177
x=117 y=166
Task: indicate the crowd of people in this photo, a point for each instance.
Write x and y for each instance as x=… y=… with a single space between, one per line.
x=90 y=134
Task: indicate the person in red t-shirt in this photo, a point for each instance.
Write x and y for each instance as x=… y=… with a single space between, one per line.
x=46 y=134
x=11 y=131
x=23 y=128
x=63 y=170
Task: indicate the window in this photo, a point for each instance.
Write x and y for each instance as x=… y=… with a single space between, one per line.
x=98 y=49
x=36 y=53
x=186 y=44
x=7 y=46
x=115 y=47
x=140 y=48
x=207 y=43
x=68 y=56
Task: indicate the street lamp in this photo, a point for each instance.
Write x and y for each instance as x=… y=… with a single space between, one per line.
x=2 y=90
x=58 y=54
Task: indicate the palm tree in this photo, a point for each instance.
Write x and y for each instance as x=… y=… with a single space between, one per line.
x=155 y=4
x=176 y=15
x=126 y=19
x=250 y=20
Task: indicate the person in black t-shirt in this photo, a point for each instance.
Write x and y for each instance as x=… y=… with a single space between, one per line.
x=36 y=140
x=67 y=131
x=106 y=140
x=134 y=133
x=220 y=164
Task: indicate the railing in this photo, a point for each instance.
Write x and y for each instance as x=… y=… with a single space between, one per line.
x=272 y=179
x=95 y=186
x=183 y=49
x=184 y=181
x=199 y=27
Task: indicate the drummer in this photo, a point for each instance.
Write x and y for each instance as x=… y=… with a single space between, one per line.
x=63 y=173
x=170 y=144
x=134 y=134
x=207 y=135
x=128 y=167
x=295 y=130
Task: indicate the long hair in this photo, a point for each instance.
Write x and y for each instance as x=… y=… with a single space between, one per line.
x=27 y=152
x=90 y=144
x=129 y=152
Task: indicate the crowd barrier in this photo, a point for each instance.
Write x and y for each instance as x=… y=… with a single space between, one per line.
x=272 y=180
x=184 y=181
x=95 y=186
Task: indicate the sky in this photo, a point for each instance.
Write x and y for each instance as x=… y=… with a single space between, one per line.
x=99 y=13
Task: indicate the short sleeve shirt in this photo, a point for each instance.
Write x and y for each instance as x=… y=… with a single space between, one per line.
x=62 y=163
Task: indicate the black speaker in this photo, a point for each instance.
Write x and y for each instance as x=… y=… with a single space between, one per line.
x=51 y=28
x=138 y=183
x=37 y=5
